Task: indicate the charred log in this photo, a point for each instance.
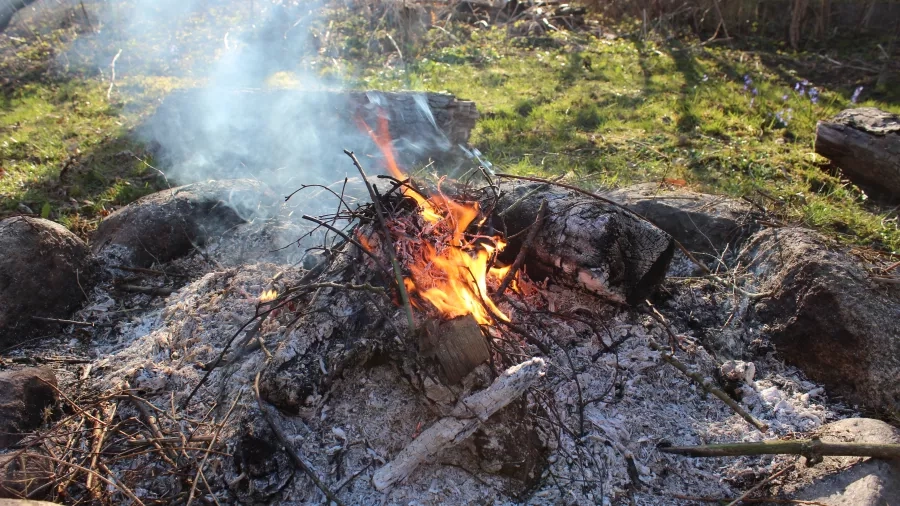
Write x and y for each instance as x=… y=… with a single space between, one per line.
x=584 y=242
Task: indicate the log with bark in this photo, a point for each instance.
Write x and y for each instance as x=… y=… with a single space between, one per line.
x=865 y=144
x=296 y=135
x=584 y=242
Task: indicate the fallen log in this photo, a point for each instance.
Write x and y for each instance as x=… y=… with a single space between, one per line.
x=865 y=144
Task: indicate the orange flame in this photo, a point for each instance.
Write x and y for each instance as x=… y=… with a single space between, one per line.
x=453 y=276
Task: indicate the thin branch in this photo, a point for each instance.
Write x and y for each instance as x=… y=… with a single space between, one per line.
x=112 y=66
x=348 y=239
x=812 y=449
x=71 y=322
x=760 y=485
x=288 y=447
x=156 y=291
x=212 y=443
x=669 y=357
x=379 y=214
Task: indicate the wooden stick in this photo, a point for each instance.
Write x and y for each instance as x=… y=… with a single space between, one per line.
x=812 y=449
x=465 y=418
x=168 y=454
x=289 y=448
x=765 y=500
x=669 y=357
x=71 y=322
x=99 y=433
x=379 y=213
x=156 y=291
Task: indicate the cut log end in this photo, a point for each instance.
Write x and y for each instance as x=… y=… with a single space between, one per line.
x=457 y=344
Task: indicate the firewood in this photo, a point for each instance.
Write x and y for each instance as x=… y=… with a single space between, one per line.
x=584 y=242
x=458 y=345
x=465 y=419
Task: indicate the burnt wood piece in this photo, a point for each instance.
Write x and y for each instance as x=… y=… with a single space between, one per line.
x=865 y=144
x=584 y=242
x=287 y=133
x=458 y=345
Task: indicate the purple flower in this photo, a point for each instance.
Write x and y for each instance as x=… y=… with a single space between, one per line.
x=705 y=78
x=784 y=97
x=747 y=82
x=755 y=92
x=814 y=95
x=856 y=93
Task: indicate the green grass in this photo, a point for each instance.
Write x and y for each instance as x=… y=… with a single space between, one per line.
x=619 y=112
x=66 y=154
x=607 y=112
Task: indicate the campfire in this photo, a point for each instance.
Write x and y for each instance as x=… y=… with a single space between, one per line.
x=445 y=245
x=439 y=328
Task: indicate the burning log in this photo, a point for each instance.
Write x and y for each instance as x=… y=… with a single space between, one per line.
x=584 y=242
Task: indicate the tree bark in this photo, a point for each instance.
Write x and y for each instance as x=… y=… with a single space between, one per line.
x=584 y=242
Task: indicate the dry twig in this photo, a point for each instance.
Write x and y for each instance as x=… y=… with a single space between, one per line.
x=812 y=449
x=379 y=214
x=288 y=447
x=707 y=385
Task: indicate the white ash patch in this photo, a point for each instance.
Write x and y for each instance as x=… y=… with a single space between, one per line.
x=637 y=402
x=646 y=402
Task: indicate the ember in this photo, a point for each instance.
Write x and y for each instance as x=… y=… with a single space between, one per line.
x=450 y=268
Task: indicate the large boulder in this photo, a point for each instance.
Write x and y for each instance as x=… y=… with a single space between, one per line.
x=826 y=316
x=701 y=222
x=169 y=224
x=849 y=481
x=45 y=271
x=25 y=395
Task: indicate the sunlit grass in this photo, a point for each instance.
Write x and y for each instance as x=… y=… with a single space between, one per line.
x=607 y=112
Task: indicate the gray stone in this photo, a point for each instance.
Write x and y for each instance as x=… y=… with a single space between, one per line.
x=702 y=223
x=826 y=316
x=849 y=481
x=170 y=223
x=25 y=396
x=45 y=271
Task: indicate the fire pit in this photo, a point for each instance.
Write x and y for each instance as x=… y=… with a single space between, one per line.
x=446 y=340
